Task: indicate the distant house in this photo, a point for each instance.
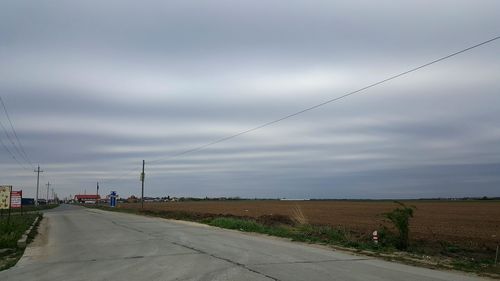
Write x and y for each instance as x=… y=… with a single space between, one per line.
x=89 y=199
x=27 y=201
x=132 y=199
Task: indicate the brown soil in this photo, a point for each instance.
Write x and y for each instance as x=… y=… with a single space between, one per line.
x=470 y=224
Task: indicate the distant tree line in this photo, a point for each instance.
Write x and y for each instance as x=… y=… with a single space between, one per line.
x=133 y=199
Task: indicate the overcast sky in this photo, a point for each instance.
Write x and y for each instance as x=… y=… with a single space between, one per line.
x=95 y=87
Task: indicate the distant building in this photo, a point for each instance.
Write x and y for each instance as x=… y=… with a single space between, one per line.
x=87 y=198
x=132 y=199
x=27 y=201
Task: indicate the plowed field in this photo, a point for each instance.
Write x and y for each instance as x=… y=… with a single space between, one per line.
x=468 y=223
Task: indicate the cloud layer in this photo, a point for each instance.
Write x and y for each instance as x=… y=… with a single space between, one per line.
x=94 y=88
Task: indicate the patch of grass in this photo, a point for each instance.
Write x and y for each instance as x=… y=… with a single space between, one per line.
x=243 y=225
x=303 y=233
x=11 y=231
x=251 y=226
x=472 y=265
x=453 y=249
x=9 y=259
x=33 y=208
x=326 y=234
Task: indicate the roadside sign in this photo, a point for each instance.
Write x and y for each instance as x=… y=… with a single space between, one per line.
x=16 y=199
x=5 y=196
x=112 y=199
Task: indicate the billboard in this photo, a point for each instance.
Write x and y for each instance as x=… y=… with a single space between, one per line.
x=16 y=199
x=5 y=196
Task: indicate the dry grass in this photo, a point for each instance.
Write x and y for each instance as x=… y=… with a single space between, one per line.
x=297 y=216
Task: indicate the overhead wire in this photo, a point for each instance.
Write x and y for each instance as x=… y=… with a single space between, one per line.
x=10 y=139
x=195 y=149
x=11 y=154
x=23 y=151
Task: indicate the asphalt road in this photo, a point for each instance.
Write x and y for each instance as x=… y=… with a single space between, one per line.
x=76 y=243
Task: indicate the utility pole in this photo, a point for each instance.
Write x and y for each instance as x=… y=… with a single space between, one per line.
x=48 y=185
x=38 y=171
x=142 y=180
x=97 y=193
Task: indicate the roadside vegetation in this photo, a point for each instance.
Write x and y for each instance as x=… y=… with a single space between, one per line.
x=32 y=208
x=394 y=237
x=11 y=230
x=400 y=219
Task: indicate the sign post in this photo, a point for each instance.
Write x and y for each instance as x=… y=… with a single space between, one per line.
x=5 y=197
x=112 y=199
x=16 y=200
x=5 y=191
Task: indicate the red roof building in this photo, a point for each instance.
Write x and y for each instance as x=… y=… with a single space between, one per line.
x=87 y=197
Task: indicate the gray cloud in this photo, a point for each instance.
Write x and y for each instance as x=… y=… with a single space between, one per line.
x=93 y=88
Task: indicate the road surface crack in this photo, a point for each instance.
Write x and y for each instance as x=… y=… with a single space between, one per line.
x=226 y=260
x=115 y=258
x=129 y=227
x=306 y=262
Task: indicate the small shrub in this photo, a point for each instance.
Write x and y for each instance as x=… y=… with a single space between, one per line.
x=400 y=218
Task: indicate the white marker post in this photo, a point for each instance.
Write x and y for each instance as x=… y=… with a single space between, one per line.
x=375 y=237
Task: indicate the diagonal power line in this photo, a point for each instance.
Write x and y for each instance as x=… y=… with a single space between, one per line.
x=325 y=102
x=21 y=152
x=195 y=149
x=11 y=154
x=13 y=144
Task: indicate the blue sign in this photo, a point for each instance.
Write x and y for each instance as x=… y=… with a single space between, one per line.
x=112 y=199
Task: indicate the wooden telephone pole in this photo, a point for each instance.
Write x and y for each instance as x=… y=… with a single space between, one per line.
x=38 y=171
x=142 y=180
x=97 y=194
x=48 y=185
